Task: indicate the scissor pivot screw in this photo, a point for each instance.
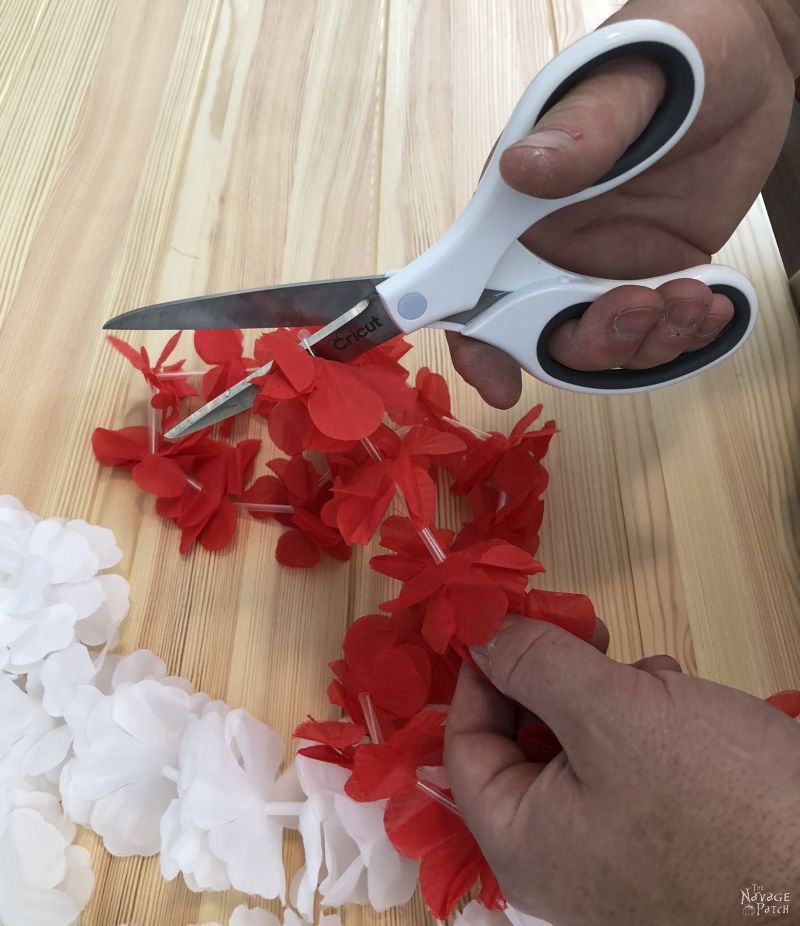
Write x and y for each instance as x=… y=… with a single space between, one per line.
x=412 y=305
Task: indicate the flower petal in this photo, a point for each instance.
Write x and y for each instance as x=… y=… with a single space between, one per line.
x=342 y=405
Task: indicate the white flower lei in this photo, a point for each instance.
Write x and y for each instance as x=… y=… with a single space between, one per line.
x=116 y=744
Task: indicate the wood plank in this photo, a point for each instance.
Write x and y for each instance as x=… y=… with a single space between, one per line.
x=20 y=24
x=707 y=480
x=574 y=18
x=468 y=65
x=252 y=135
x=153 y=151
x=736 y=430
x=49 y=56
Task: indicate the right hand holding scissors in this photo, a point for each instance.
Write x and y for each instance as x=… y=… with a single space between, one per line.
x=676 y=215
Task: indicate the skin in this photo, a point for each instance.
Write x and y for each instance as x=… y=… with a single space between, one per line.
x=675 y=215
x=672 y=794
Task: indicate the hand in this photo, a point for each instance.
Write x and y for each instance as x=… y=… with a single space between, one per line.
x=675 y=215
x=671 y=796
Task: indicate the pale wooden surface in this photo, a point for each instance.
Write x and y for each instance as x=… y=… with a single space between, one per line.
x=156 y=150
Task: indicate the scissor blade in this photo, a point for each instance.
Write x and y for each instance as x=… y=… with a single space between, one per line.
x=286 y=306
x=355 y=332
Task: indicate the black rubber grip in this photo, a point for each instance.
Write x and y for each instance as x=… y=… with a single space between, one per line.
x=669 y=116
x=681 y=366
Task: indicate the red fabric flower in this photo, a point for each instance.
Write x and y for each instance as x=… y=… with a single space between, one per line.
x=487 y=458
x=786 y=701
x=387 y=377
x=465 y=598
x=194 y=479
x=419 y=827
x=336 y=740
x=297 y=483
x=516 y=518
x=127 y=448
x=431 y=401
x=433 y=396
x=574 y=613
x=203 y=508
x=224 y=351
x=412 y=556
x=387 y=659
x=360 y=502
x=383 y=770
x=330 y=403
x=450 y=859
x=168 y=393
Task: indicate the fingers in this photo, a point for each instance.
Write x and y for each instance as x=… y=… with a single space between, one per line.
x=634 y=327
x=582 y=137
x=610 y=332
x=495 y=375
x=576 y=690
x=486 y=770
x=600 y=641
x=685 y=325
x=560 y=678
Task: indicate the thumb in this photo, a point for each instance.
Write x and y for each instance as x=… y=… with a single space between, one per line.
x=579 y=692
x=581 y=138
x=574 y=688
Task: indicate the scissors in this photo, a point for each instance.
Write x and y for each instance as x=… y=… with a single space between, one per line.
x=478 y=279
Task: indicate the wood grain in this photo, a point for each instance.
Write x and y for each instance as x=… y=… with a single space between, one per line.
x=157 y=150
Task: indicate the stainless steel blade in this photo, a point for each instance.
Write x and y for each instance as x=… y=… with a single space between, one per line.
x=358 y=330
x=285 y=306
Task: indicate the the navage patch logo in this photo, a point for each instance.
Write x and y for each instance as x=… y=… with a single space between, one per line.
x=757 y=901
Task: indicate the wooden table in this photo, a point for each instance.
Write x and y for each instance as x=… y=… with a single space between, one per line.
x=153 y=150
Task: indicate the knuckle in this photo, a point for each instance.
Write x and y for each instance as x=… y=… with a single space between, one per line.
x=660 y=346
x=586 y=352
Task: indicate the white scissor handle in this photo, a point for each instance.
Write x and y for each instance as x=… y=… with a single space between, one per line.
x=521 y=324
x=451 y=275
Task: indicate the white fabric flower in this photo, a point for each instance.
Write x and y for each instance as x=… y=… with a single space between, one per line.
x=184 y=848
x=114 y=672
x=43 y=878
x=114 y=784
x=515 y=918
x=474 y=914
x=13 y=512
x=100 y=627
x=256 y=916
x=50 y=593
x=232 y=806
x=56 y=680
x=348 y=855
x=32 y=744
x=146 y=762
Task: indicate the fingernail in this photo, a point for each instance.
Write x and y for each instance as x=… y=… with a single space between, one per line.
x=555 y=139
x=481 y=653
x=685 y=314
x=633 y=324
x=710 y=327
